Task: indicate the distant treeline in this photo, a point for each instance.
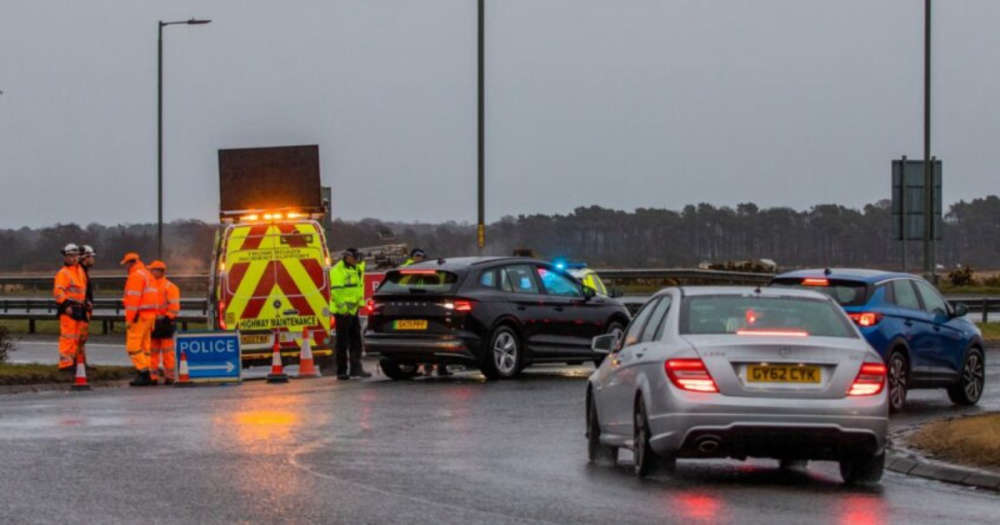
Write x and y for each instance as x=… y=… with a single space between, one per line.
x=825 y=235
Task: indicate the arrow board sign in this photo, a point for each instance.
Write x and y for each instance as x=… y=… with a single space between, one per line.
x=211 y=356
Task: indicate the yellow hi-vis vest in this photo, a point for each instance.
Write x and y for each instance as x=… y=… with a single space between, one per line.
x=347 y=288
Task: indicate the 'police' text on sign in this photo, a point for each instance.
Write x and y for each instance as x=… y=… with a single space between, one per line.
x=211 y=356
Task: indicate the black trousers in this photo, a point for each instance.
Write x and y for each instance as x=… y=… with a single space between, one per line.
x=348 y=338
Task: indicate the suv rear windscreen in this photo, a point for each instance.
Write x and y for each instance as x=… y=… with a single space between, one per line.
x=756 y=315
x=418 y=280
x=845 y=292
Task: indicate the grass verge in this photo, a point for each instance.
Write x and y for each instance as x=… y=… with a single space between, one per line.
x=29 y=374
x=991 y=331
x=972 y=440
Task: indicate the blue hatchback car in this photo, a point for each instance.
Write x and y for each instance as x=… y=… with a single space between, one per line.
x=925 y=341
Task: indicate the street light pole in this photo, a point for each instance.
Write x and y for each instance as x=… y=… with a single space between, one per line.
x=929 y=219
x=481 y=225
x=159 y=126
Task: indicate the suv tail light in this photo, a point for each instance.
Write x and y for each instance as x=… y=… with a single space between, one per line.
x=865 y=318
x=690 y=374
x=459 y=305
x=870 y=380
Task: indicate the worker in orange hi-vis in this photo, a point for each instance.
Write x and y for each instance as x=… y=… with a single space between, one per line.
x=70 y=293
x=168 y=308
x=141 y=301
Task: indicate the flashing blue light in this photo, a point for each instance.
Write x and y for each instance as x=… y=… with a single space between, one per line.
x=562 y=264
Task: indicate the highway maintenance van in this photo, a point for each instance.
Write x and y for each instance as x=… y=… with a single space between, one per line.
x=271 y=265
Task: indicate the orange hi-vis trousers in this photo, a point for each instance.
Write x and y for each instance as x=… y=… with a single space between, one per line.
x=162 y=351
x=138 y=342
x=71 y=332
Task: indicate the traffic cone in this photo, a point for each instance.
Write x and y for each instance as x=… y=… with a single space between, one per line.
x=307 y=367
x=183 y=373
x=277 y=374
x=80 y=381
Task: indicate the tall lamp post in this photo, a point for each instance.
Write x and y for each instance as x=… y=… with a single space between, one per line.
x=481 y=151
x=159 y=127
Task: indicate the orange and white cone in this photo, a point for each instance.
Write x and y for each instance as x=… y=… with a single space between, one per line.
x=80 y=381
x=183 y=373
x=277 y=374
x=307 y=367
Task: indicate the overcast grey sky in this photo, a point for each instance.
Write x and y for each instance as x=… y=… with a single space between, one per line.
x=621 y=103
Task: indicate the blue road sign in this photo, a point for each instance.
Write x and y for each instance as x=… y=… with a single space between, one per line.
x=211 y=356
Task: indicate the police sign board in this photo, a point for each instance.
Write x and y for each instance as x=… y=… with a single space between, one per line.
x=211 y=356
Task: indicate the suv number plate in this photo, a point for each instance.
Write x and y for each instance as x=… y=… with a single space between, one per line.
x=410 y=324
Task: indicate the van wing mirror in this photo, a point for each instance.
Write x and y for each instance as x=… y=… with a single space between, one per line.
x=605 y=344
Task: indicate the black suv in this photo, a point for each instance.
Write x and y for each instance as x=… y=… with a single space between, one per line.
x=499 y=314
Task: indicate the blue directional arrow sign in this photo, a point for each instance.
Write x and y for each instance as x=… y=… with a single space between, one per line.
x=211 y=356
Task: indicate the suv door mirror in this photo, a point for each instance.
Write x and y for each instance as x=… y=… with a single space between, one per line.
x=959 y=310
x=605 y=343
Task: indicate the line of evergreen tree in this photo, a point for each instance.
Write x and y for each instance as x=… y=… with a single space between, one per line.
x=824 y=235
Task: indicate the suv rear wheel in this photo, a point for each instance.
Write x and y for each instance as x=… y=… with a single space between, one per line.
x=973 y=377
x=898 y=374
x=397 y=371
x=503 y=357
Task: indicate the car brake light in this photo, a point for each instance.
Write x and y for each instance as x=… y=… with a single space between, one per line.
x=690 y=374
x=775 y=333
x=459 y=305
x=870 y=380
x=815 y=282
x=865 y=318
x=418 y=272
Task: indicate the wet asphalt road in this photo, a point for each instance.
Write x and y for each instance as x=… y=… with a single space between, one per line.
x=435 y=450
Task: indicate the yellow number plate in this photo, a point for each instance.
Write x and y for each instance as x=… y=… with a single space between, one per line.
x=410 y=324
x=255 y=339
x=783 y=374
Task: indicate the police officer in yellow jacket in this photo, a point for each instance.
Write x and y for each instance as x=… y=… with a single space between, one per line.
x=347 y=294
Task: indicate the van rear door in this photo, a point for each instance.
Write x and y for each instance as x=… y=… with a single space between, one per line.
x=276 y=278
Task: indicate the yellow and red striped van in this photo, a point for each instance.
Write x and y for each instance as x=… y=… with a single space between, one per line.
x=274 y=277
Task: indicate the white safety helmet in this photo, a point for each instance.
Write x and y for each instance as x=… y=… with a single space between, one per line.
x=71 y=249
x=88 y=250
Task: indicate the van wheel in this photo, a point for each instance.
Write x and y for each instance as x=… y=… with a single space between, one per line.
x=503 y=357
x=969 y=388
x=898 y=375
x=397 y=371
x=862 y=470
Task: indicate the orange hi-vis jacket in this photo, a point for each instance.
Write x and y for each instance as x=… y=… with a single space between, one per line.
x=170 y=298
x=70 y=284
x=142 y=299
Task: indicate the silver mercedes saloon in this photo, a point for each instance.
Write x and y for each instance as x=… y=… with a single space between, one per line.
x=727 y=372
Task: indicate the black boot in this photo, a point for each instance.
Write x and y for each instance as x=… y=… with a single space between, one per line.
x=142 y=379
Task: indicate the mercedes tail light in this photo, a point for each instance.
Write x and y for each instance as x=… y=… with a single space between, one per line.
x=870 y=380
x=865 y=318
x=691 y=375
